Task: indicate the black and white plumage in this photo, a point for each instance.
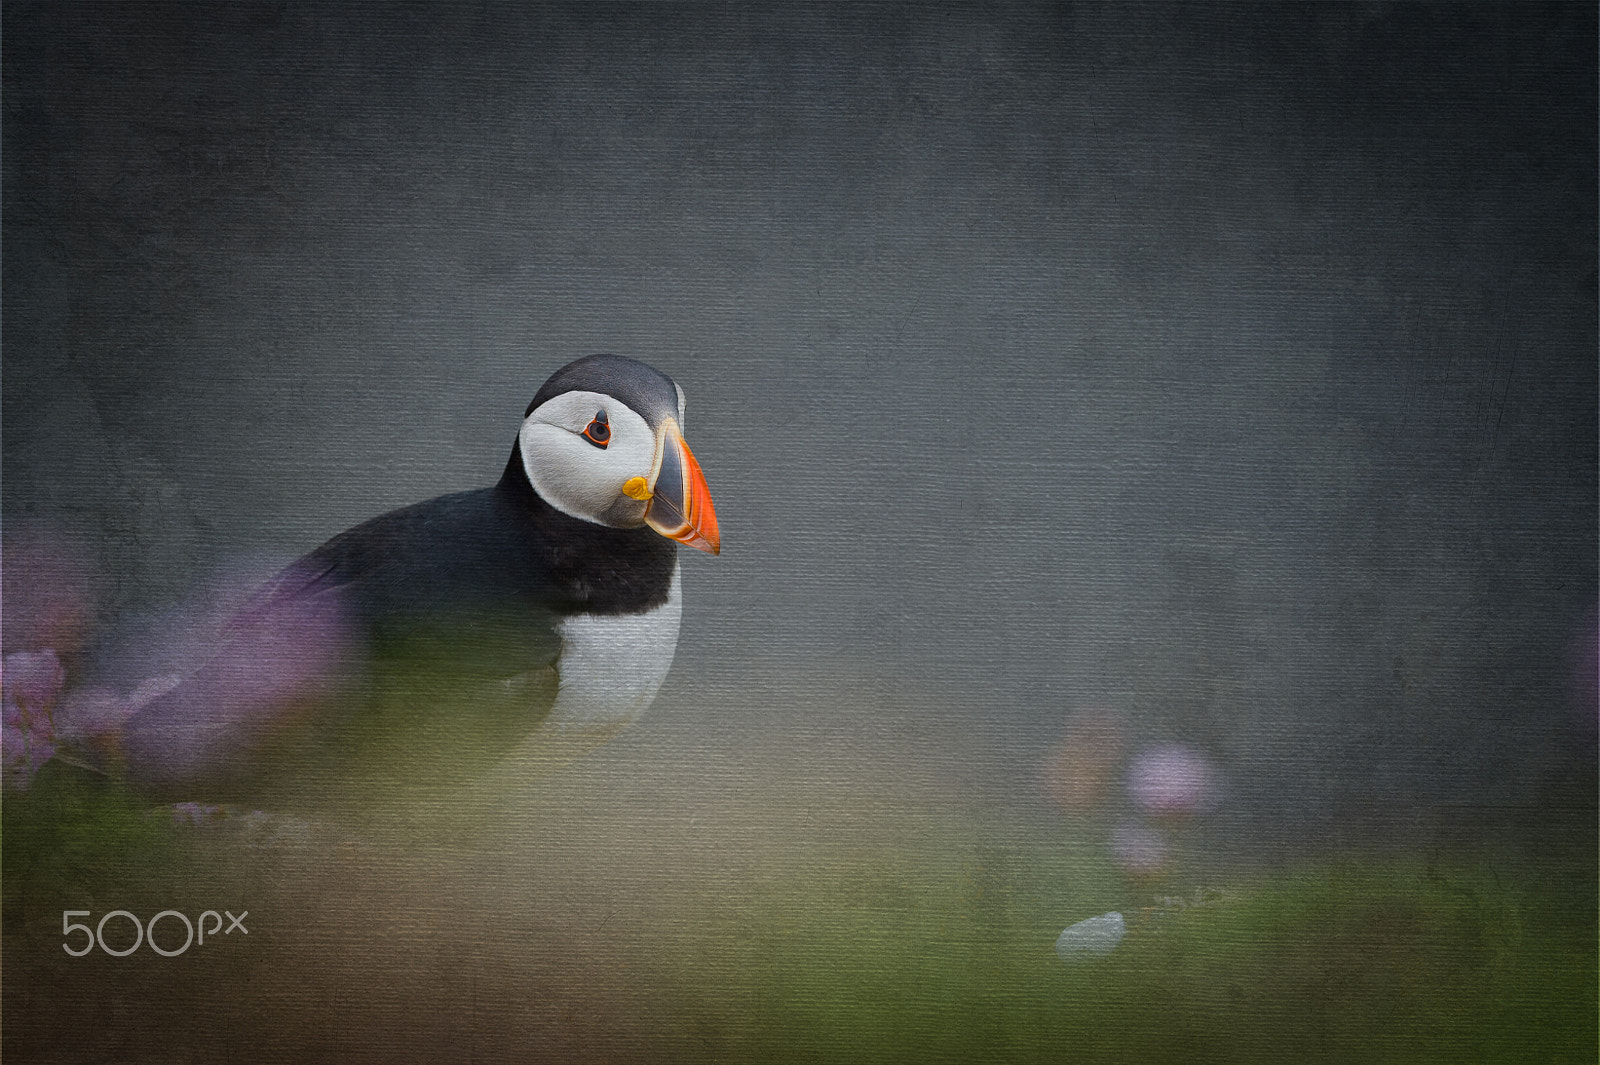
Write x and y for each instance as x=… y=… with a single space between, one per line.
x=425 y=645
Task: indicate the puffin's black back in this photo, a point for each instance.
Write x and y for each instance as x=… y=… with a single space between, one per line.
x=492 y=550
x=447 y=613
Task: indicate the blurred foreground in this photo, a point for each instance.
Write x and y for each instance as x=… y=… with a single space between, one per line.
x=823 y=884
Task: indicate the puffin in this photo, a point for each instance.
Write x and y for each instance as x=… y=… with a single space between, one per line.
x=416 y=652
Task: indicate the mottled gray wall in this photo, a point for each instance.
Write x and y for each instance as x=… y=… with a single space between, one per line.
x=1230 y=366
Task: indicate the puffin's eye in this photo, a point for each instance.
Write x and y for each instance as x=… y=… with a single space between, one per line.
x=598 y=431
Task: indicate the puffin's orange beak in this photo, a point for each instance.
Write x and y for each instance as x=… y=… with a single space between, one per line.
x=680 y=503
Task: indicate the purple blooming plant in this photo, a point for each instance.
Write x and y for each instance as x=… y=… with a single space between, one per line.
x=32 y=683
x=1171 y=780
x=277 y=656
x=201 y=687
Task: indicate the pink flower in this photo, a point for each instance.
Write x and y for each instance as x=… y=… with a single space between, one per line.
x=279 y=655
x=21 y=754
x=1171 y=780
x=48 y=590
x=31 y=684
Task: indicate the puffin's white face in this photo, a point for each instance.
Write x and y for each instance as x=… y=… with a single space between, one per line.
x=593 y=457
x=581 y=450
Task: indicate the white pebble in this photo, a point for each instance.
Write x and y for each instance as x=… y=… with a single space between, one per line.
x=1093 y=938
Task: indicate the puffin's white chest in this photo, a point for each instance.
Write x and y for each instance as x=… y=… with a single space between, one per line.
x=612 y=666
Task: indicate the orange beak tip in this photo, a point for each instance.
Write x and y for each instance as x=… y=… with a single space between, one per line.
x=687 y=513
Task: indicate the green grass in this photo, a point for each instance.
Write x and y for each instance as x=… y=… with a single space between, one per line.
x=1382 y=961
x=71 y=834
x=930 y=941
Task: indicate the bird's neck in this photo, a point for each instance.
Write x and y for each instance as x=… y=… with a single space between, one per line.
x=597 y=569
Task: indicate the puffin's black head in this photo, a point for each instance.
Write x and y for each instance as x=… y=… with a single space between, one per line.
x=603 y=441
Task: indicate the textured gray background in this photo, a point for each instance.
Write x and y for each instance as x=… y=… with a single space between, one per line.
x=1231 y=367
